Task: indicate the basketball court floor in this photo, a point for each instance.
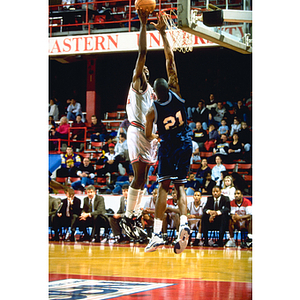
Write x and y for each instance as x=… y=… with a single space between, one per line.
x=125 y=271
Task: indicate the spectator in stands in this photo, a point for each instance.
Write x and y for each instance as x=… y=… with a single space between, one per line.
x=211 y=103
x=101 y=160
x=194 y=215
x=215 y=216
x=223 y=129
x=62 y=130
x=213 y=137
x=221 y=182
x=202 y=171
x=208 y=184
x=78 y=134
x=200 y=136
x=228 y=189
x=97 y=130
x=119 y=183
x=245 y=137
x=199 y=114
x=192 y=185
x=73 y=110
x=52 y=124
x=111 y=166
x=68 y=214
x=86 y=172
x=69 y=164
x=93 y=215
x=116 y=218
x=53 y=110
x=240 y=218
x=109 y=140
x=195 y=158
x=221 y=149
x=235 y=127
x=216 y=170
x=241 y=111
x=235 y=151
x=219 y=113
x=121 y=151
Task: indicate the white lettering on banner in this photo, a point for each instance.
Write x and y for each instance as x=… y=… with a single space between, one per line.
x=127 y=41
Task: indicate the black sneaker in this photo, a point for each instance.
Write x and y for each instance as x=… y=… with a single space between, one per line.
x=142 y=234
x=129 y=226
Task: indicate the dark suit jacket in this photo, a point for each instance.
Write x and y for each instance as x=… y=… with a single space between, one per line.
x=53 y=205
x=99 y=206
x=224 y=204
x=74 y=209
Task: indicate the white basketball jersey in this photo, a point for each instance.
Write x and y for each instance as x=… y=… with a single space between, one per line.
x=197 y=211
x=138 y=104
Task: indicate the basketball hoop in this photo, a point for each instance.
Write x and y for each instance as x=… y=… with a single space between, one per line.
x=182 y=40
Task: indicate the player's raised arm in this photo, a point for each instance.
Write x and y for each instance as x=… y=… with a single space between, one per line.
x=170 y=61
x=139 y=80
x=149 y=124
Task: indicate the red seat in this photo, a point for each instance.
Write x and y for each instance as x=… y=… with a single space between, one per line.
x=205 y=154
x=194 y=167
x=229 y=166
x=73 y=179
x=111 y=115
x=60 y=179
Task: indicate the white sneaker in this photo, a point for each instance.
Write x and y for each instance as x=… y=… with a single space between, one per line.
x=183 y=238
x=230 y=243
x=155 y=242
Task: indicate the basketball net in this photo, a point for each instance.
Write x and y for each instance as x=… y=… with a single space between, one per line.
x=182 y=40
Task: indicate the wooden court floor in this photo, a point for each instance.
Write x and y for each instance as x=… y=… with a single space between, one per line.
x=125 y=271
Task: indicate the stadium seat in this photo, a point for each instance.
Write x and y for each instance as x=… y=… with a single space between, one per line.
x=111 y=115
x=194 y=167
x=246 y=168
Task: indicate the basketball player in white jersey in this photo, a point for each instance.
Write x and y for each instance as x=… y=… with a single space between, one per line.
x=141 y=150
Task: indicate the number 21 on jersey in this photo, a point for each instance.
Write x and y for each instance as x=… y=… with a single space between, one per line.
x=170 y=121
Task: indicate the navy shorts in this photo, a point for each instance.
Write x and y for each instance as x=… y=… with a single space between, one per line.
x=174 y=161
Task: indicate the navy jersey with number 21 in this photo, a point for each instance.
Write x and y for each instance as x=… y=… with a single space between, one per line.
x=176 y=145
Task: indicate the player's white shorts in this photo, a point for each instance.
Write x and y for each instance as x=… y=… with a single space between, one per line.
x=139 y=148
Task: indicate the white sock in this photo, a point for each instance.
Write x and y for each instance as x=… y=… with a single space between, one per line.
x=157 y=226
x=198 y=237
x=183 y=220
x=139 y=200
x=250 y=235
x=131 y=201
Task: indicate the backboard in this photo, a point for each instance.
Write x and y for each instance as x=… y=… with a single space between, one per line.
x=189 y=21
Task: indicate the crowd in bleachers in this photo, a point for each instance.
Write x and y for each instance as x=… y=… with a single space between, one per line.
x=95 y=157
x=114 y=14
x=222 y=145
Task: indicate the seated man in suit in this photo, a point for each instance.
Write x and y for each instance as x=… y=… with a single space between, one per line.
x=67 y=214
x=216 y=215
x=93 y=215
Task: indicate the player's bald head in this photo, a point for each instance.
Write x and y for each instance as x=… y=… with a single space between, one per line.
x=161 y=88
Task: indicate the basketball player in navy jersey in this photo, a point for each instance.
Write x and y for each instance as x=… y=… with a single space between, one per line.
x=175 y=150
x=141 y=150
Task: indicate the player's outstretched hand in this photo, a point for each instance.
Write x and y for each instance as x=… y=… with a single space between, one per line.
x=160 y=25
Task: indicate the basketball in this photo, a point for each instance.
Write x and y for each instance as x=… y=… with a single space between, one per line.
x=145 y=4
